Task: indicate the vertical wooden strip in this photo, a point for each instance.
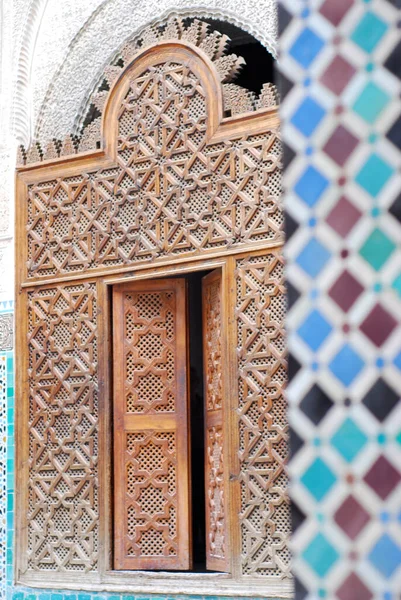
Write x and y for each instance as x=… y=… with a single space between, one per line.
x=216 y=480
x=151 y=452
x=105 y=426
x=231 y=418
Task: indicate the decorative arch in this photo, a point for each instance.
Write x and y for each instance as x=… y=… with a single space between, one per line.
x=84 y=59
x=175 y=187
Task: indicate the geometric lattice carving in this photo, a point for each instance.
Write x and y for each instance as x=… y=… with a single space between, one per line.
x=151 y=471
x=149 y=352
x=152 y=504
x=63 y=420
x=263 y=428
x=171 y=193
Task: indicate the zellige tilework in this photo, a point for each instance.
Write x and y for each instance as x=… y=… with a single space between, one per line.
x=341 y=84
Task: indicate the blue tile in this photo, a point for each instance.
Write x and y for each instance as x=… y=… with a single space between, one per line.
x=314 y=330
x=306 y=47
x=386 y=556
x=313 y=258
x=311 y=186
x=308 y=116
x=346 y=365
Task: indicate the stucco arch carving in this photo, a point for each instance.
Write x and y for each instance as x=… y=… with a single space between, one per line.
x=82 y=59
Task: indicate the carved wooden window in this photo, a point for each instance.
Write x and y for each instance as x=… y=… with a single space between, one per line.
x=175 y=188
x=152 y=449
x=151 y=446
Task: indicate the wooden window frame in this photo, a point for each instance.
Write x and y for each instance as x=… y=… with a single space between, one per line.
x=106 y=579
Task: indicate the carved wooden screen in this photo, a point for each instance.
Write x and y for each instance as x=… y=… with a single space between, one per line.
x=151 y=452
x=216 y=467
x=174 y=188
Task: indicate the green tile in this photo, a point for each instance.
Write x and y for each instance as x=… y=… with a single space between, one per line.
x=369 y=31
x=320 y=555
x=349 y=440
x=377 y=249
x=374 y=175
x=396 y=285
x=318 y=479
x=371 y=102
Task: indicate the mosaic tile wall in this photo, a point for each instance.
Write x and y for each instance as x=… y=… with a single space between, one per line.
x=341 y=86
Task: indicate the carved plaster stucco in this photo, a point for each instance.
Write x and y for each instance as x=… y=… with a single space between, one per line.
x=113 y=22
x=215 y=45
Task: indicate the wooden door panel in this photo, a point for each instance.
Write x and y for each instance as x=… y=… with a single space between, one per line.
x=216 y=476
x=152 y=527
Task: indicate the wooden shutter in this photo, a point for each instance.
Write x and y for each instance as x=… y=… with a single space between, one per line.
x=216 y=472
x=151 y=457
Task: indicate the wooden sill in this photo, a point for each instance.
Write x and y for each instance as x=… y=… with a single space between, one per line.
x=163 y=583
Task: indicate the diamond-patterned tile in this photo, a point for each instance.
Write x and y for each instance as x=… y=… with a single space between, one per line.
x=297 y=516
x=374 y=175
x=353 y=588
x=377 y=249
x=338 y=74
x=381 y=399
x=314 y=330
x=382 y=477
x=369 y=31
x=293 y=366
x=320 y=555
x=371 y=102
x=395 y=208
x=351 y=517
x=308 y=116
x=292 y=295
x=296 y=442
x=394 y=133
x=335 y=10
x=346 y=365
x=306 y=47
x=386 y=556
x=349 y=440
x=343 y=217
x=392 y=63
x=313 y=258
x=378 y=325
x=346 y=167
x=316 y=404
x=311 y=186
x=318 y=479
x=346 y=290
x=340 y=145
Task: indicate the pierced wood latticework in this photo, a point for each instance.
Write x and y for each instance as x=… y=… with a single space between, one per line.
x=174 y=188
x=170 y=192
x=151 y=469
x=63 y=507
x=263 y=428
x=214 y=44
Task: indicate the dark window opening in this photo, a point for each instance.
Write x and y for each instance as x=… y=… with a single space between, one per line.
x=259 y=68
x=197 y=420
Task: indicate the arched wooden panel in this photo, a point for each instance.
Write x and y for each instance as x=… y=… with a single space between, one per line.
x=174 y=185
